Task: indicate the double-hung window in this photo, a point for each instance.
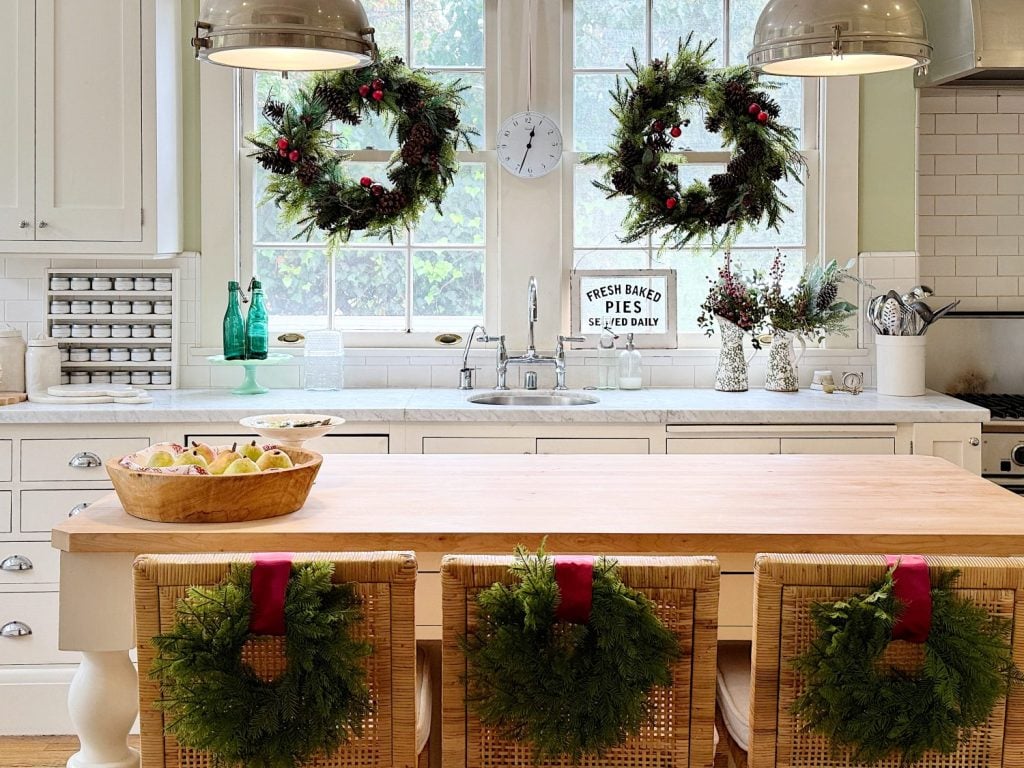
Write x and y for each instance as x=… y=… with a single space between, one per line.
x=603 y=34
x=430 y=279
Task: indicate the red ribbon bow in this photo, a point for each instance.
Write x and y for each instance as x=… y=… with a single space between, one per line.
x=912 y=587
x=575 y=578
x=269 y=585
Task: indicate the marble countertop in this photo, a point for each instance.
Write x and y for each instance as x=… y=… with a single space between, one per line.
x=650 y=406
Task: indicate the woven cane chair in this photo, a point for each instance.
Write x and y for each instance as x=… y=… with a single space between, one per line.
x=680 y=733
x=386 y=583
x=785 y=588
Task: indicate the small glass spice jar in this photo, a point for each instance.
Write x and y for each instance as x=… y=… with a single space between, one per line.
x=162 y=284
x=162 y=354
x=99 y=377
x=79 y=355
x=141 y=355
x=140 y=377
x=81 y=331
x=58 y=283
x=120 y=355
x=81 y=307
x=143 y=283
x=142 y=307
x=160 y=377
x=60 y=307
x=99 y=355
x=81 y=283
x=142 y=331
x=161 y=331
x=102 y=284
x=162 y=307
x=99 y=331
x=101 y=307
x=65 y=378
x=65 y=355
x=120 y=377
x=60 y=331
x=79 y=377
x=121 y=307
x=124 y=284
x=119 y=331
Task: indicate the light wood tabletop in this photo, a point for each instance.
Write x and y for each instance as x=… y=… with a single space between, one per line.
x=625 y=504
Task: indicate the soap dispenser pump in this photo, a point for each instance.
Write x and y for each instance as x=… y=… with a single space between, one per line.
x=631 y=374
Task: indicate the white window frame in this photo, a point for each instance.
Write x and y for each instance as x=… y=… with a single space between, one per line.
x=529 y=223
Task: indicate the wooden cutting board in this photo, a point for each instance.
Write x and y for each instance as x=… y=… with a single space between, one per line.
x=10 y=398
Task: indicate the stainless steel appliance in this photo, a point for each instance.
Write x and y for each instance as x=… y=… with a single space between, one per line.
x=1002 y=451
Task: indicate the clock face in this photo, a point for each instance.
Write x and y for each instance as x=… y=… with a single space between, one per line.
x=529 y=145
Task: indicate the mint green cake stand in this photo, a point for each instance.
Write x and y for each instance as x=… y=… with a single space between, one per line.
x=249 y=385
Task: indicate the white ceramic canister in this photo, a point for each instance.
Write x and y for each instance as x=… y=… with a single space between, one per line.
x=79 y=356
x=99 y=355
x=79 y=377
x=162 y=283
x=60 y=331
x=120 y=377
x=100 y=307
x=161 y=331
x=119 y=355
x=140 y=377
x=99 y=377
x=162 y=307
x=900 y=365
x=42 y=365
x=102 y=284
x=142 y=307
x=58 y=283
x=81 y=283
x=118 y=331
x=142 y=331
x=160 y=377
x=100 y=332
x=162 y=354
x=143 y=283
x=141 y=355
x=121 y=307
x=60 y=307
x=81 y=331
x=12 y=360
x=124 y=284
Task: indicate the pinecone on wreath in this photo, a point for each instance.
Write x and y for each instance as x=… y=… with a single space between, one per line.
x=409 y=95
x=412 y=153
x=307 y=173
x=722 y=183
x=421 y=133
x=273 y=110
x=337 y=103
x=713 y=122
x=623 y=181
x=392 y=203
x=274 y=163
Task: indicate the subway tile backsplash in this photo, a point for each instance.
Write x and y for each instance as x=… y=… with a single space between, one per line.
x=971 y=196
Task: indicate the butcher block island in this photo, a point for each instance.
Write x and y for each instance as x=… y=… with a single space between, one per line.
x=727 y=506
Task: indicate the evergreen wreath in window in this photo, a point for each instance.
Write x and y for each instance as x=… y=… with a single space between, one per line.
x=310 y=185
x=642 y=164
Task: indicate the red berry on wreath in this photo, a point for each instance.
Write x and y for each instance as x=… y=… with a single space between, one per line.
x=364 y=90
x=754 y=109
x=378 y=95
x=294 y=155
x=377 y=190
x=676 y=131
x=671 y=203
x=365 y=181
x=378 y=84
x=283 y=152
x=762 y=117
x=282 y=143
x=658 y=126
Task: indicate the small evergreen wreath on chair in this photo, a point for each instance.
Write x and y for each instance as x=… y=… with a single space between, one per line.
x=310 y=185
x=570 y=689
x=650 y=108
x=218 y=704
x=877 y=713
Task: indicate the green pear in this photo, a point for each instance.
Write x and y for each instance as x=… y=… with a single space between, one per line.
x=159 y=459
x=224 y=460
x=252 y=451
x=190 y=457
x=242 y=466
x=275 y=459
x=205 y=451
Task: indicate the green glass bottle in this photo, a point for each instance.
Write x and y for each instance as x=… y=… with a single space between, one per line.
x=257 y=324
x=234 y=326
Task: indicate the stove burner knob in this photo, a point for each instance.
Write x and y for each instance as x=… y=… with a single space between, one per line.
x=1017 y=455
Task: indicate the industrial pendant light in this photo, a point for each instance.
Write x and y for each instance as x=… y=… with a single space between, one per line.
x=819 y=38
x=284 y=35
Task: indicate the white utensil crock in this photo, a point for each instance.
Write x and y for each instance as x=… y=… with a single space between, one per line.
x=901 y=365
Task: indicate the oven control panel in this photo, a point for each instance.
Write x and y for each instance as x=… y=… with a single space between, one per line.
x=1002 y=455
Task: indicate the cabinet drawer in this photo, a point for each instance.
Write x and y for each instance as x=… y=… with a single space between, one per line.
x=44 y=561
x=5 y=460
x=695 y=445
x=736 y=600
x=38 y=611
x=841 y=445
x=607 y=445
x=50 y=459
x=325 y=444
x=479 y=444
x=5 y=511
x=41 y=510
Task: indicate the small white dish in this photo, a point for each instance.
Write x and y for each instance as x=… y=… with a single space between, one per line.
x=291 y=429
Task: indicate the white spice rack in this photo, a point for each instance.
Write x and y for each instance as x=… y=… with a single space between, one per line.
x=153 y=343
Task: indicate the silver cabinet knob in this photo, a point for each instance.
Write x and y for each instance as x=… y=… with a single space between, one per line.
x=44 y=224
x=974 y=442
x=15 y=629
x=85 y=460
x=78 y=509
x=24 y=224
x=15 y=563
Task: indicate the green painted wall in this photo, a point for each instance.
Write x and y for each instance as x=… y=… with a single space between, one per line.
x=888 y=162
x=190 y=128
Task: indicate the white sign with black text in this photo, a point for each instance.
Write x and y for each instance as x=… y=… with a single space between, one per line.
x=641 y=302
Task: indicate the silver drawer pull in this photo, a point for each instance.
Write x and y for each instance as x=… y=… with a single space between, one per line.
x=85 y=460
x=78 y=509
x=15 y=563
x=15 y=629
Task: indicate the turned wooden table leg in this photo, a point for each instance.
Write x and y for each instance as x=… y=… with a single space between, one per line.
x=96 y=617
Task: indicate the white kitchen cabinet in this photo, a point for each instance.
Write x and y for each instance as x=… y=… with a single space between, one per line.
x=37 y=613
x=956 y=443
x=74 y=460
x=93 y=101
x=712 y=445
x=603 y=445
x=479 y=445
x=43 y=509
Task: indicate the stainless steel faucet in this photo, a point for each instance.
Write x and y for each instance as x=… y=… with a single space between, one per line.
x=530 y=357
x=465 y=372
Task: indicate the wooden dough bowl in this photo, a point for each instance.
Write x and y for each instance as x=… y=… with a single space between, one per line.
x=216 y=498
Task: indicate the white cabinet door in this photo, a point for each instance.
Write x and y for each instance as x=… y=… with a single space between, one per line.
x=17 y=94
x=698 y=445
x=841 y=445
x=956 y=443
x=479 y=444
x=89 y=120
x=605 y=445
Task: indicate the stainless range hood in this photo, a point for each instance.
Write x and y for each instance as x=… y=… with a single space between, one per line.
x=976 y=43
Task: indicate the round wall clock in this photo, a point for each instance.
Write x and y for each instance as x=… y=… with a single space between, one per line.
x=529 y=145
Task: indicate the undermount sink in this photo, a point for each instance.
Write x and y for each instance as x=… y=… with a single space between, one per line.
x=532 y=399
